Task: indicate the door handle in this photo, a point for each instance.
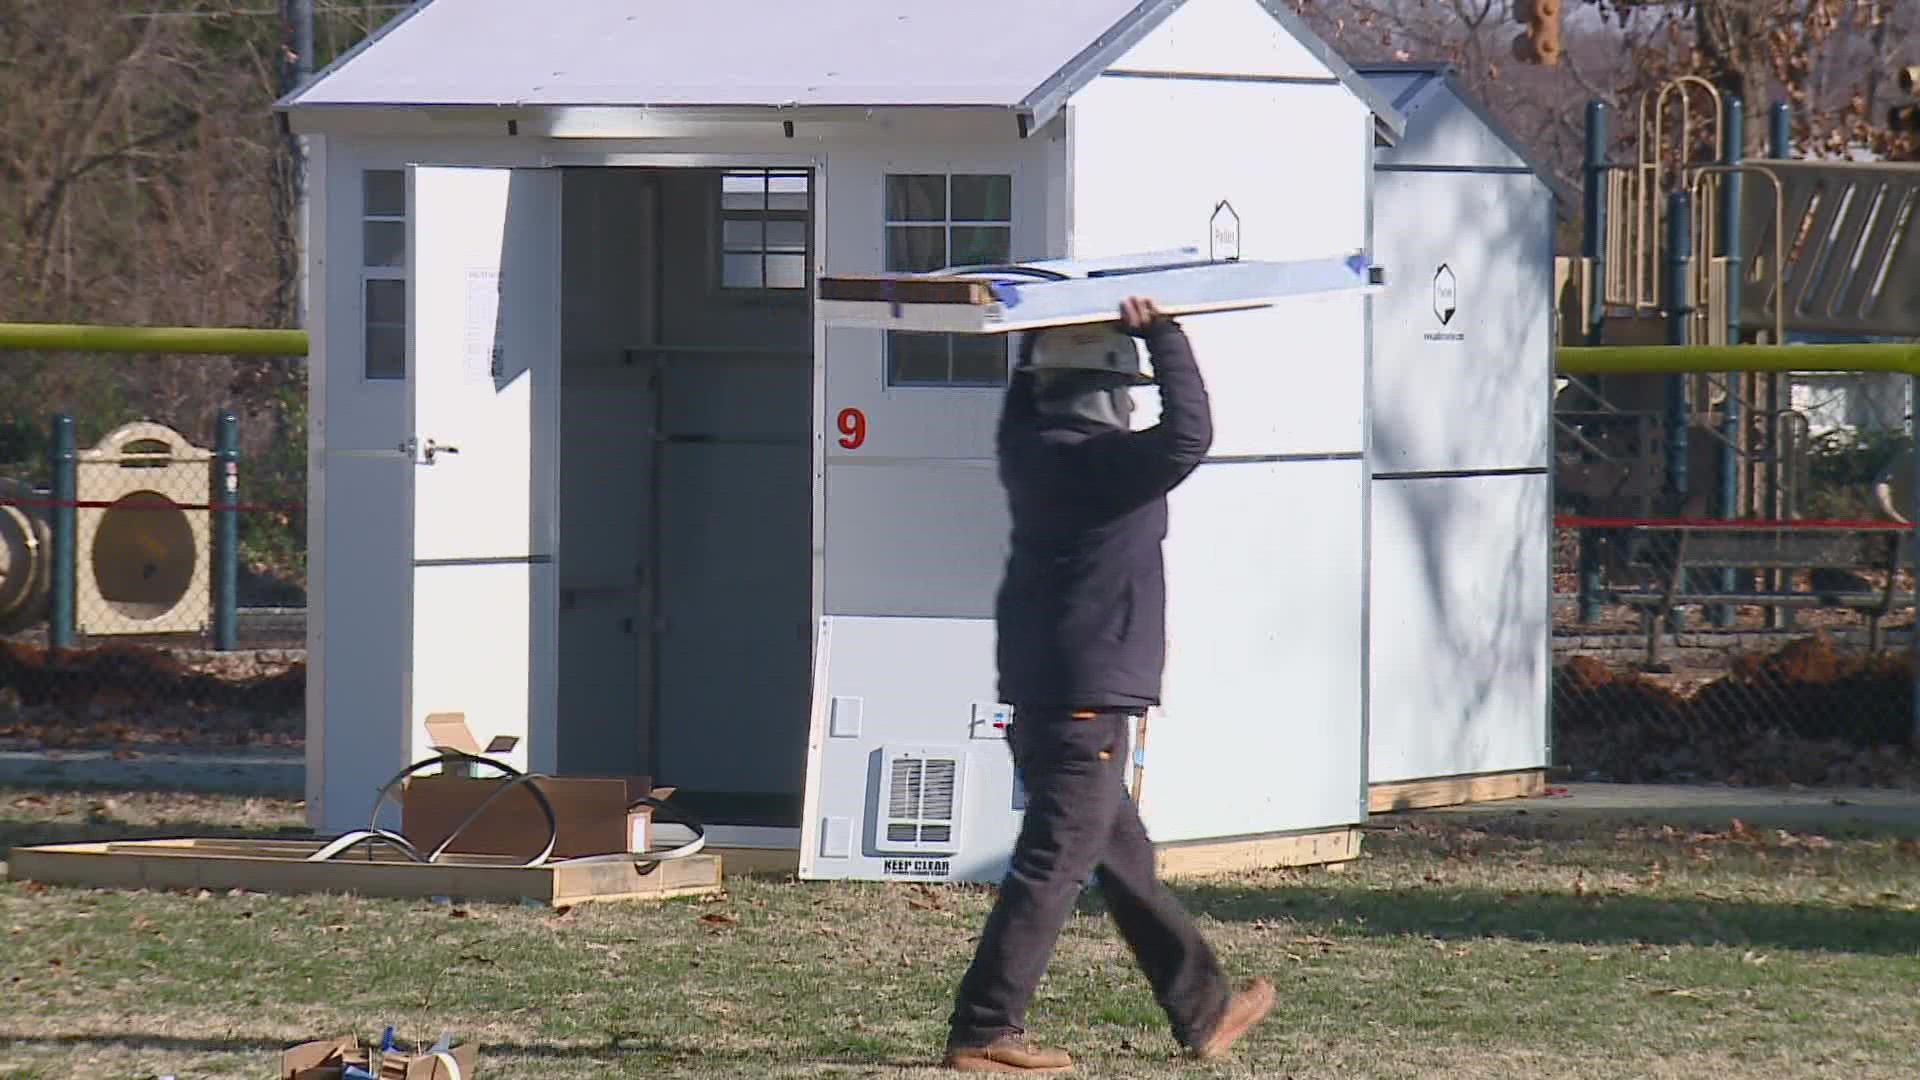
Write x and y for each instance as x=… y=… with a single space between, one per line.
x=433 y=449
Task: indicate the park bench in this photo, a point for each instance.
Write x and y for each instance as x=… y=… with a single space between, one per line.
x=1676 y=556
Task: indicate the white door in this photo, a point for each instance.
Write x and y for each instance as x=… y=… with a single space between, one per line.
x=483 y=376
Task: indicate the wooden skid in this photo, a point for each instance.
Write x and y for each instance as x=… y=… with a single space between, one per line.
x=1203 y=857
x=1455 y=790
x=749 y=862
x=280 y=866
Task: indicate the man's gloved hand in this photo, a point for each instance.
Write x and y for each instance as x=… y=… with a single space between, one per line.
x=1138 y=315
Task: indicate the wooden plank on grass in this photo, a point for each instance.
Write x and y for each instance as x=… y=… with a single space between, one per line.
x=1455 y=790
x=1239 y=855
x=280 y=866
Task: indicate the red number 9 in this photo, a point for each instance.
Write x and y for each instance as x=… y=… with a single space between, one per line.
x=853 y=428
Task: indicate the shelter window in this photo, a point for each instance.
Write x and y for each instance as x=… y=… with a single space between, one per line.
x=383 y=272
x=763 y=229
x=935 y=221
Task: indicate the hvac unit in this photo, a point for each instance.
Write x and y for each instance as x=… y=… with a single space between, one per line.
x=143 y=532
x=919 y=799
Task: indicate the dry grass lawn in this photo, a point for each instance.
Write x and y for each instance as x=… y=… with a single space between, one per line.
x=1497 y=946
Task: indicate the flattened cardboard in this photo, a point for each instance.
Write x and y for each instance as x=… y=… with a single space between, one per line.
x=323 y=1059
x=429 y=1066
x=327 y=1059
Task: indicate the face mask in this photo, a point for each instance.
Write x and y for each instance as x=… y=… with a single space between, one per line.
x=1095 y=397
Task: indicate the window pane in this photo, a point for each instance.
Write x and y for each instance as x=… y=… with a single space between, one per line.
x=916 y=198
x=979 y=359
x=916 y=359
x=916 y=249
x=787 y=192
x=741 y=234
x=975 y=244
x=387 y=302
x=743 y=191
x=983 y=198
x=786 y=271
x=386 y=352
x=386 y=193
x=741 y=272
x=384 y=243
x=787 y=236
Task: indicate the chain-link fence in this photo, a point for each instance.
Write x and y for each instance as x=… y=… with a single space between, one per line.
x=1733 y=579
x=1739 y=652
x=152 y=584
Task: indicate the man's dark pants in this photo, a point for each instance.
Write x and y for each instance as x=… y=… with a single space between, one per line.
x=1078 y=819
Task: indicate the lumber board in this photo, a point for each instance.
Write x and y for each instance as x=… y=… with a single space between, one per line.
x=1201 y=858
x=888 y=288
x=1455 y=790
x=280 y=866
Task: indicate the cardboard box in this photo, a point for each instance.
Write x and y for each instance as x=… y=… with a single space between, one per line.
x=328 y=1059
x=322 y=1060
x=591 y=813
x=430 y=1066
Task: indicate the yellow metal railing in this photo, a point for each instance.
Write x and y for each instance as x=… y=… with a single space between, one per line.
x=215 y=341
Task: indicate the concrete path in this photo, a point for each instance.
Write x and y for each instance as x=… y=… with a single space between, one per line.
x=165 y=768
x=1831 y=809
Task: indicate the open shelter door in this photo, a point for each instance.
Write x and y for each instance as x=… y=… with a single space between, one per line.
x=484 y=346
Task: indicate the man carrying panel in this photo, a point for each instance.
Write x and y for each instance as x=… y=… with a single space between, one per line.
x=1081 y=621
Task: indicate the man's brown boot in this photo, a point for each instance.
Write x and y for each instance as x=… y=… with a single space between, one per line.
x=1245 y=1009
x=1007 y=1054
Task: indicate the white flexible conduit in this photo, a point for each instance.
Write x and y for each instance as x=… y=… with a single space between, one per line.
x=515 y=778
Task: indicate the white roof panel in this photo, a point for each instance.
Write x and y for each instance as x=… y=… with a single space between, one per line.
x=677 y=53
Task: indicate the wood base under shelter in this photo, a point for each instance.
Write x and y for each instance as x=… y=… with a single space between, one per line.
x=1202 y=858
x=280 y=866
x=1455 y=790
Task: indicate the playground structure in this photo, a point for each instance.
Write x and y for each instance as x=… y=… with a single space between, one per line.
x=1690 y=245
x=144 y=535
x=124 y=540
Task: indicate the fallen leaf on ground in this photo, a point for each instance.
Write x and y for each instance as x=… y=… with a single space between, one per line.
x=720 y=918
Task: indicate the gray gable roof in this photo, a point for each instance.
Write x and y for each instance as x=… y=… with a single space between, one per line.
x=1023 y=56
x=1408 y=86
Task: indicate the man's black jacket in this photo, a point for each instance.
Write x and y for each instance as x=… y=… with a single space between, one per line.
x=1082 y=611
